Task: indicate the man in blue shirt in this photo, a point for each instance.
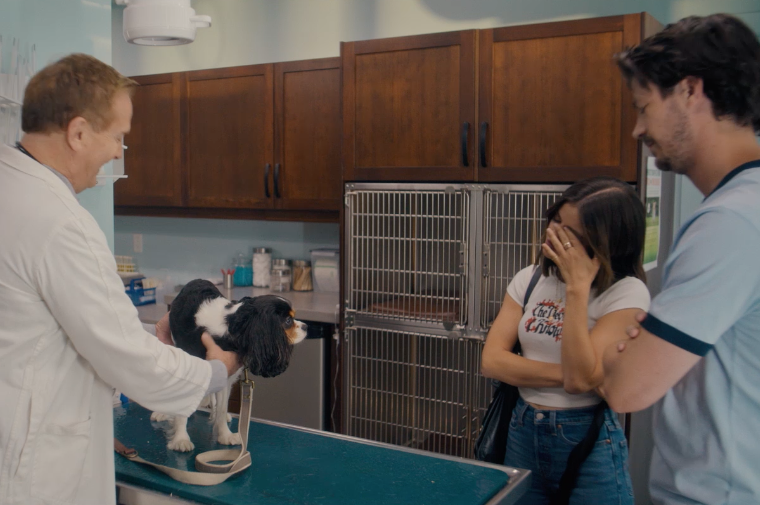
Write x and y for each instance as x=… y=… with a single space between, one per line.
x=696 y=86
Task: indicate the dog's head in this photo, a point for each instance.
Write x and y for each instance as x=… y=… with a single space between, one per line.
x=264 y=330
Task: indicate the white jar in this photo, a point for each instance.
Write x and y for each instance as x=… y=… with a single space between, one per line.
x=262 y=265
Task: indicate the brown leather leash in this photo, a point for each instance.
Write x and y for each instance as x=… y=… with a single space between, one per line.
x=208 y=473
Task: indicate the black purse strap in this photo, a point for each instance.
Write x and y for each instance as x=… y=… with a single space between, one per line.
x=578 y=455
x=531 y=285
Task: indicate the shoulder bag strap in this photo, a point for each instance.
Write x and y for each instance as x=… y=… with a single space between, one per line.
x=531 y=285
x=208 y=473
x=578 y=455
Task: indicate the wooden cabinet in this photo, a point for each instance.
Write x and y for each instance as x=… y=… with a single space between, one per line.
x=251 y=142
x=154 y=159
x=552 y=103
x=409 y=108
x=307 y=172
x=230 y=118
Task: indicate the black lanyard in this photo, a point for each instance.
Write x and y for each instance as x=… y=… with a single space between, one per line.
x=23 y=150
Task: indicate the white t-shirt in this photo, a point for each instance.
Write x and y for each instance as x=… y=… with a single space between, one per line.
x=540 y=330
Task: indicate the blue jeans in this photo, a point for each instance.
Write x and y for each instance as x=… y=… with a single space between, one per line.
x=541 y=441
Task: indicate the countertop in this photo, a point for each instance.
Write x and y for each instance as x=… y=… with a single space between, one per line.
x=309 y=306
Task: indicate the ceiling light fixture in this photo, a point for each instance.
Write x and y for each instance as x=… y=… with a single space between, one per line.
x=161 y=22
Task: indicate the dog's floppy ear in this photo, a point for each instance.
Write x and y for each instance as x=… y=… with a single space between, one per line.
x=259 y=338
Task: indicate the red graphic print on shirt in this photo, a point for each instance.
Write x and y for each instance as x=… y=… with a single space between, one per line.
x=546 y=319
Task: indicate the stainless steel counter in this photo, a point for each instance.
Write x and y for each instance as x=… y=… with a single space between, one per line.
x=150 y=314
x=309 y=306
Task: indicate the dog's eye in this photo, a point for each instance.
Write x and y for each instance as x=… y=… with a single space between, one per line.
x=289 y=321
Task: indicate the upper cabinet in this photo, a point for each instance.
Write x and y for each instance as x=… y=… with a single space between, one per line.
x=532 y=103
x=409 y=108
x=153 y=161
x=257 y=142
x=306 y=172
x=230 y=133
x=552 y=103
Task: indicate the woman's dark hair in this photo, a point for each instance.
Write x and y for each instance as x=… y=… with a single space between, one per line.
x=719 y=49
x=613 y=228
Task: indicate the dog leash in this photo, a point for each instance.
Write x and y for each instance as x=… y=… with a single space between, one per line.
x=208 y=473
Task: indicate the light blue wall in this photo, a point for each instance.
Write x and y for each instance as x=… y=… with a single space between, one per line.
x=58 y=28
x=184 y=249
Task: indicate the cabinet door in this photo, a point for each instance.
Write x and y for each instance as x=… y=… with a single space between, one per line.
x=153 y=161
x=307 y=173
x=230 y=137
x=553 y=105
x=409 y=108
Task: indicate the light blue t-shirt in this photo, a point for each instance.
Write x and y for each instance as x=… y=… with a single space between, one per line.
x=707 y=427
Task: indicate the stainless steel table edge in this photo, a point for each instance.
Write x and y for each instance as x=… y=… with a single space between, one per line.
x=519 y=479
x=163 y=497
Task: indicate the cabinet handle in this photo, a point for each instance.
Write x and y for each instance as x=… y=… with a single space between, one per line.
x=483 y=130
x=266 y=180
x=277 y=180
x=465 y=137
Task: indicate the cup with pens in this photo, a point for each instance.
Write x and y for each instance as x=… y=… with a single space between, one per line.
x=227 y=277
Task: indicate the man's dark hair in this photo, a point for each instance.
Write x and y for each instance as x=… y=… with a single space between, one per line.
x=720 y=50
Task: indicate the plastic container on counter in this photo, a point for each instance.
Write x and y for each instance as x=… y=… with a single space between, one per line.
x=280 y=276
x=243 y=275
x=325 y=270
x=140 y=295
x=302 y=275
x=262 y=266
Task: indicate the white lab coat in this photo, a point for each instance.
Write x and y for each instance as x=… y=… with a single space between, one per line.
x=68 y=334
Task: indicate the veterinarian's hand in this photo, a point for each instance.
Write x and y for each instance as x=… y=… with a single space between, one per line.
x=213 y=351
x=163 y=332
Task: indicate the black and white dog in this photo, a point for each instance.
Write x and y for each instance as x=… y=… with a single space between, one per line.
x=261 y=330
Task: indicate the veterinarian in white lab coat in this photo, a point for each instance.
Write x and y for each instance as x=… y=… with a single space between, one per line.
x=68 y=331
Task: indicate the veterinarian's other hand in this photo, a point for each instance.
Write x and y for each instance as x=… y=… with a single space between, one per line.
x=213 y=351
x=163 y=332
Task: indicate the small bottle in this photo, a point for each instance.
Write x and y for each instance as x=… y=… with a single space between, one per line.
x=280 y=276
x=262 y=265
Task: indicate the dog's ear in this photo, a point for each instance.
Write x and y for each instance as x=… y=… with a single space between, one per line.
x=260 y=340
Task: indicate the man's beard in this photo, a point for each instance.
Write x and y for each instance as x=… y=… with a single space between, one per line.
x=680 y=144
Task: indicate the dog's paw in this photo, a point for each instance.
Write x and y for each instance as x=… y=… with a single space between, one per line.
x=230 y=438
x=181 y=444
x=158 y=417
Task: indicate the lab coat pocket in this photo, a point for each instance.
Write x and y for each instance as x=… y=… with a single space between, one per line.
x=59 y=459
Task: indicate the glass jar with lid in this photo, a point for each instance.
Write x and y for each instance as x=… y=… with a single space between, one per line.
x=262 y=266
x=281 y=275
x=302 y=275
